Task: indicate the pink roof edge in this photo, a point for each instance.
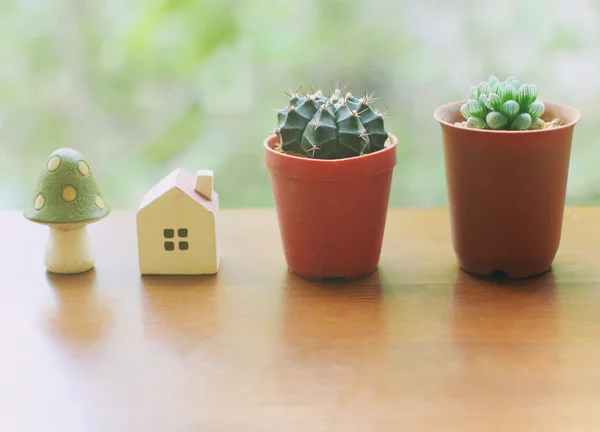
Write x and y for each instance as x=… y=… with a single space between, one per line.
x=185 y=182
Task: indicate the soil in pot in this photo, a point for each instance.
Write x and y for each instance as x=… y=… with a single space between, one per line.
x=548 y=124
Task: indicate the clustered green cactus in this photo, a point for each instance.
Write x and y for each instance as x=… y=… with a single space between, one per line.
x=334 y=127
x=507 y=105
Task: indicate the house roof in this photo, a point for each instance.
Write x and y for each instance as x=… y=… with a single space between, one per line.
x=185 y=182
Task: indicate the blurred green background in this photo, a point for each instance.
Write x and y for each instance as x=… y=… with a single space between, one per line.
x=145 y=86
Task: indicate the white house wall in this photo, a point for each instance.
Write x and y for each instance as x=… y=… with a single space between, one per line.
x=175 y=210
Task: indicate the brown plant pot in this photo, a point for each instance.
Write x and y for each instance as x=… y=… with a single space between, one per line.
x=506 y=192
x=331 y=213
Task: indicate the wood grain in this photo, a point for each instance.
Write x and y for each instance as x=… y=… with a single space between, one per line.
x=418 y=345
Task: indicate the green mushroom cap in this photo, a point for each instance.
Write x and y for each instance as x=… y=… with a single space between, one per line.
x=66 y=191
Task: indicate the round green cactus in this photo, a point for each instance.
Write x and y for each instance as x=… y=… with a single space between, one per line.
x=507 y=105
x=335 y=127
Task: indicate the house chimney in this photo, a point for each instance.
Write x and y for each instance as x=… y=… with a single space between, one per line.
x=204 y=183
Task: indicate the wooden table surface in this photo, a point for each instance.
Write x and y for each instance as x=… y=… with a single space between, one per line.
x=417 y=346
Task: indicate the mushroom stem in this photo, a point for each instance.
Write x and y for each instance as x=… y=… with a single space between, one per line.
x=68 y=250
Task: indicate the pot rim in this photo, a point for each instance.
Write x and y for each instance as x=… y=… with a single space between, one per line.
x=393 y=140
x=329 y=170
x=438 y=112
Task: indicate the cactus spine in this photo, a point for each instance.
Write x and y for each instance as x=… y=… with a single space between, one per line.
x=334 y=127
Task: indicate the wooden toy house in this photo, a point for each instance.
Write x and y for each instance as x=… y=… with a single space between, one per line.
x=177 y=226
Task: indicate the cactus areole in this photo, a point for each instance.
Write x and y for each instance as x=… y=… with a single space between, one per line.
x=334 y=127
x=330 y=164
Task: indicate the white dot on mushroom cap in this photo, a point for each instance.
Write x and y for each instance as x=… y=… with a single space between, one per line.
x=69 y=194
x=39 y=202
x=83 y=168
x=99 y=201
x=53 y=163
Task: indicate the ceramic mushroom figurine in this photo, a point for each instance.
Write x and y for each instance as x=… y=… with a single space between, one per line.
x=67 y=199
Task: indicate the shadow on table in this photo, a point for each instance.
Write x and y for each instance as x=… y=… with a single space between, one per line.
x=333 y=344
x=181 y=311
x=334 y=323
x=78 y=319
x=505 y=328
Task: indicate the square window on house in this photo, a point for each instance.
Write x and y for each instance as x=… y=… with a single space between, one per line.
x=169 y=233
x=184 y=246
x=182 y=232
x=169 y=246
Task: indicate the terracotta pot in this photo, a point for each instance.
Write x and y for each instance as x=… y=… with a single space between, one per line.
x=331 y=213
x=506 y=192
